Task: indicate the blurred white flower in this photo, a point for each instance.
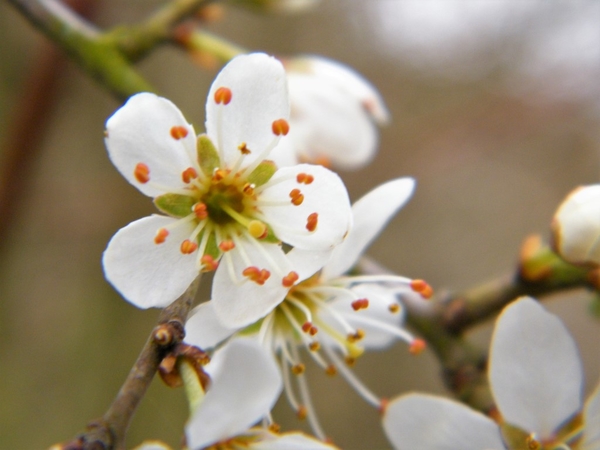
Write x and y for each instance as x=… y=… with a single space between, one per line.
x=335 y=113
x=536 y=379
x=223 y=199
x=576 y=226
x=336 y=317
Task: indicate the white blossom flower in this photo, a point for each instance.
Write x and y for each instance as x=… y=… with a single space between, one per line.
x=335 y=113
x=334 y=316
x=536 y=379
x=223 y=199
x=576 y=226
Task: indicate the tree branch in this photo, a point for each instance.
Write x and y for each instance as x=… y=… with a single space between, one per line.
x=108 y=433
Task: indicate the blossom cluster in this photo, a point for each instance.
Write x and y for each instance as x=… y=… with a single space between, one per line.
x=255 y=201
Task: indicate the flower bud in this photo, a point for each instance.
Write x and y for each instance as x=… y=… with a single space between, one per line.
x=576 y=226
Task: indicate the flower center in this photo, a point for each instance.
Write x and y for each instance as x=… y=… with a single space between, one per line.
x=223 y=197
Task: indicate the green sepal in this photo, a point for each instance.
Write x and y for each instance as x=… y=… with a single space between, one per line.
x=175 y=205
x=263 y=173
x=208 y=156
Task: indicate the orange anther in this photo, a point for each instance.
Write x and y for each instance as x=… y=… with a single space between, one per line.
x=311 y=222
x=223 y=96
x=298 y=369
x=331 y=370
x=209 y=263
x=417 y=346
x=244 y=149
x=296 y=196
x=219 y=174
x=161 y=236
x=178 y=132
x=274 y=428
x=302 y=412
x=188 y=174
x=422 y=287
x=357 y=336
x=225 y=246
x=313 y=330
x=304 y=178
x=394 y=308
x=290 y=279
x=259 y=276
x=361 y=303
x=188 y=247
x=383 y=404
x=200 y=211
x=314 y=346
x=248 y=189
x=142 y=173
x=280 y=127
x=350 y=361
x=306 y=326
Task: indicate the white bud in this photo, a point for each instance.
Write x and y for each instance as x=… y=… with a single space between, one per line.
x=576 y=226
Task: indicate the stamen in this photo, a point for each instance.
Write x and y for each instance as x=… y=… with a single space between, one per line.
x=357 y=336
x=189 y=174
x=265 y=327
x=314 y=346
x=259 y=276
x=302 y=412
x=305 y=310
x=298 y=369
x=331 y=370
x=227 y=245
x=394 y=308
x=248 y=189
x=280 y=127
x=209 y=263
x=218 y=175
x=350 y=360
x=305 y=395
x=200 y=210
x=257 y=229
x=188 y=247
x=178 y=132
x=417 y=346
x=243 y=148
x=532 y=442
x=289 y=393
x=290 y=279
x=161 y=236
x=361 y=303
x=352 y=379
x=311 y=222
x=421 y=287
x=296 y=196
x=393 y=330
x=223 y=96
x=142 y=173
x=304 y=178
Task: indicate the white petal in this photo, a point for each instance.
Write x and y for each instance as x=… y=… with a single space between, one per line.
x=140 y=132
x=259 y=97
x=328 y=123
x=284 y=155
x=203 y=328
x=535 y=371
x=307 y=262
x=240 y=302
x=371 y=213
x=418 y=421
x=148 y=274
x=289 y=441
x=245 y=383
x=353 y=83
x=591 y=422
x=326 y=196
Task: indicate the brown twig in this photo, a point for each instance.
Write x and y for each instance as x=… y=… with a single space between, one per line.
x=108 y=433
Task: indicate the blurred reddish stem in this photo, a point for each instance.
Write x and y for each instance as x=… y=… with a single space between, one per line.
x=30 y=120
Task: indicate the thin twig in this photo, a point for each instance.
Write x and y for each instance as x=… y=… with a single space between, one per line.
x=109 y=432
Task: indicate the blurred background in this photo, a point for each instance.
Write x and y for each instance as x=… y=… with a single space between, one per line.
x=495 y=111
